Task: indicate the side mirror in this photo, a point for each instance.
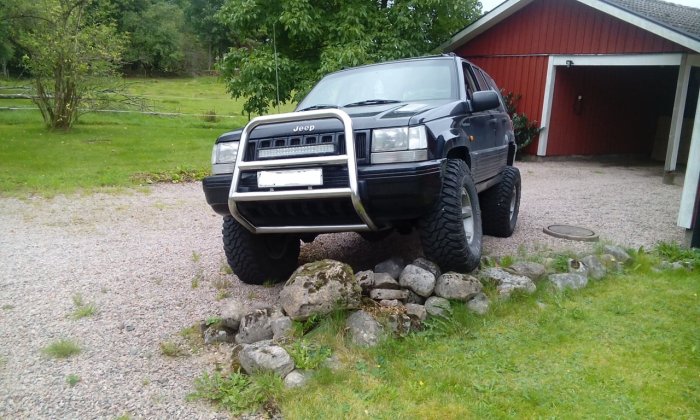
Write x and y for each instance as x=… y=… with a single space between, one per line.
x=484 y=100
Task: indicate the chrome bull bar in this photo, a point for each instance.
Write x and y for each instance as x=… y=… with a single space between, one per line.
x=349 y=159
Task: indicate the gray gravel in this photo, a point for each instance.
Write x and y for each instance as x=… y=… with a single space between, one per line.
x=135 y=255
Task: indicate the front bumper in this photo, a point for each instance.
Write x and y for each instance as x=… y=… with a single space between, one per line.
x=390 y=193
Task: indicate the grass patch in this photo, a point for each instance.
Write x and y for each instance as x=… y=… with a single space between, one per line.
x=625 y=347
x=171 y=349
x=62 y=349
x=308 y=355
x=82 y=309
x=72 y=380
x=237 y=392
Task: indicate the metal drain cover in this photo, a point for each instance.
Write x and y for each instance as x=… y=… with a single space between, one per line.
x=574 y=233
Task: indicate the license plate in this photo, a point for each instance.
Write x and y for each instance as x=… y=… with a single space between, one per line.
x=290 y=178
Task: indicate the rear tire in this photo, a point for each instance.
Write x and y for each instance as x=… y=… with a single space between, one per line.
x=451 y=233
x=501 y=204
x=257 y=259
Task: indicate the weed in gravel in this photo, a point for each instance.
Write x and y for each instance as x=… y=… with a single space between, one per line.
x=146 y=381
x=222 y=283
x=225 y=268
x=72 y=379
x=252 y=295
x=170 y=349
x=222 y=294
x=193 y=337
x=212 y=320
x=239 y=393
x=82 y=309
x=7 y=307
x=62 y=349
x=196 y=257
x=506 y=261
x=195 y=281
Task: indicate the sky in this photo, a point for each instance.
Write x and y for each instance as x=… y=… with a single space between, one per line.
x=490 y=4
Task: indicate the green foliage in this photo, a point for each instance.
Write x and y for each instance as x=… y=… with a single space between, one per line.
x=313 y=38
x=72 y=380
x=62 y=349
x=234 y=392
x=82 y=309
x=674 y=252
x=302 y=327
x=171 y=349
x=212 y=320
x=68 y=53
x=308 y=355
x=525 y=130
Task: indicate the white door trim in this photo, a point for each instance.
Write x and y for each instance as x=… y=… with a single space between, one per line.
x=594 y=60
x=692 y=172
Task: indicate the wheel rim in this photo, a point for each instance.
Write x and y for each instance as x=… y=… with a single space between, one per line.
x=513 y=202
x=467 y=216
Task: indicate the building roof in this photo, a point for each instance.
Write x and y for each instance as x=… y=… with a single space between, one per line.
x=683 y=19
x=679 y=24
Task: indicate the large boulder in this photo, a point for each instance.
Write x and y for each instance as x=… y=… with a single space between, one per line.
x=618 y=252
x=457 y=286
x=532 y=270
x=319 y=288
x=420 y=280
x=391 y=266
x=437 y=306
x=231 y=314
x=427 y=265
x=265 y=357
x=364 y=330
x=506 y=283
x=479 y=304
x=257 y=325
x=596 y=269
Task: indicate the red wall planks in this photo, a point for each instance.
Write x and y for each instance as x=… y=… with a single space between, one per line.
x=515 y=53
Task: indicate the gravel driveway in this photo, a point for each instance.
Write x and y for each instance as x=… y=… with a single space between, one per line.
x=139 y=255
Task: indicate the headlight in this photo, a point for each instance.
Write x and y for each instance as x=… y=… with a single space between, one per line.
x=224 y=152
x=389 y=145
x=223 y=157
x=399 y=138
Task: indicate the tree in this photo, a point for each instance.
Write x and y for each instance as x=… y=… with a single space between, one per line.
x=201 y=16
x=314 y=37
x=68 y=53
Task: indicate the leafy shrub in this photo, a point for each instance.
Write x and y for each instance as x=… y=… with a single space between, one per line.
x=525 y=130
x=308 y=356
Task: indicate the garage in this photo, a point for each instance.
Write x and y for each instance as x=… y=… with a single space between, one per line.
x=602 y=77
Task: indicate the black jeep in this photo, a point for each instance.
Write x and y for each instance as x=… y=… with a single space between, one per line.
x=420 y=143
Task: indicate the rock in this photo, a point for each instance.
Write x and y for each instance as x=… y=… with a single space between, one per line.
x=611 y=263
x=420 y=280
x=414 y=298
x=402 y=324
x=388 y=294
x=265 y=357
x=506 y=283
x=365 y=279
x=385 y=281
x=568 y=280
x=215 y=335
x=428 y=266
x=457 y=286
x=532 y=270
x=617 y=252
x=364 y=330
x=479 y=304
x=296 y=378
x=390 y=303
x=231 y=315
x=256 y=326
x=281 y=328
x=437 y=306
x=417 y=311
x=392 y=267
x=319 y=288
x=576 y=266
x=595 y=268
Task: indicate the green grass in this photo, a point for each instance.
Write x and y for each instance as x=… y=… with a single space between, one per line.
x=116 y=150
x=82 y=309
x=62 y=349
x=625 y=347
x=72 y=380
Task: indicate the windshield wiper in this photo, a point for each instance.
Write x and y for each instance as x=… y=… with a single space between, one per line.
x=319 y=106
x=372 y=102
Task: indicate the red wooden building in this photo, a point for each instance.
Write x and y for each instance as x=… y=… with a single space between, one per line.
x=601 y=76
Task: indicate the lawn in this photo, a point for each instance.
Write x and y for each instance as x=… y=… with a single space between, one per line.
x=625 y=347
x=117 y=150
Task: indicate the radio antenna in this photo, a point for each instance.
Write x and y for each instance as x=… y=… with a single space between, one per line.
x=277 y=76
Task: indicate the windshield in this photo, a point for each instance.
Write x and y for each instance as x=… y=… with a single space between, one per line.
x=406 y=81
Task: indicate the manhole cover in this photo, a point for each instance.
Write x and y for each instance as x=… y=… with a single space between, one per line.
x=574 y=233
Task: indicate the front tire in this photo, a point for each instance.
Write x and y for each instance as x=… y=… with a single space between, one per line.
x=257 y=259
x=501 y=204
x=451 y=232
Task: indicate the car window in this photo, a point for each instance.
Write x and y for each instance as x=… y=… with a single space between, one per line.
x=481 y=79
x=469 y=81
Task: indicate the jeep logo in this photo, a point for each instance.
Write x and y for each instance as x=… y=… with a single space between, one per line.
x=302 y=128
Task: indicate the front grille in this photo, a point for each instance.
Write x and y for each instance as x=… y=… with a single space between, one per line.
x=325 y=211
x=254 y=146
